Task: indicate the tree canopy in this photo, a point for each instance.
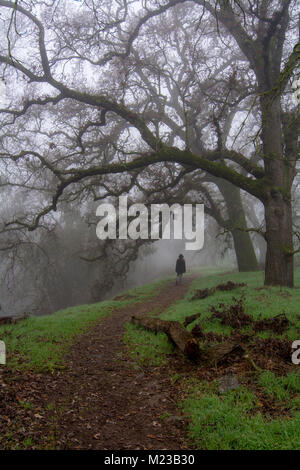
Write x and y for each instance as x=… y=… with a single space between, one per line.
x=107 y=88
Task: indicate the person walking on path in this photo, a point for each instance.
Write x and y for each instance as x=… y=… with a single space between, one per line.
x=180 y=269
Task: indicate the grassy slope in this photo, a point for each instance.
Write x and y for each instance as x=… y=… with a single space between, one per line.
x=233 y=420
x=148 y=348
x=229 y=421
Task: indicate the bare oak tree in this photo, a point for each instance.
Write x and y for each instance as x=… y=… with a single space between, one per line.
x=56 y=53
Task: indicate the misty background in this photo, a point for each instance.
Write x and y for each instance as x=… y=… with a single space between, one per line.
x=188 y=79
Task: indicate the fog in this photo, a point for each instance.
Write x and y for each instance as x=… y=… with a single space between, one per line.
x=155 y=101
x=51 y=275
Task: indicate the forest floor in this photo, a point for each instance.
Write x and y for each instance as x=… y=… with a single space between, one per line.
x=100 y=400
x=88 y=378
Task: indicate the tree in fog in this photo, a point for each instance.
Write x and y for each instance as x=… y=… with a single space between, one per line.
x=205 y=99
x=53 y=53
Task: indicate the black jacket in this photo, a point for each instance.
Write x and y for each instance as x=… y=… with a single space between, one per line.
x=180 y=266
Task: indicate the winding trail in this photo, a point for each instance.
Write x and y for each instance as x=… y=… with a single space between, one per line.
x=103 y=402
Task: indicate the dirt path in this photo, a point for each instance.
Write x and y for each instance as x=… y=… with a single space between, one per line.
x=103 y=402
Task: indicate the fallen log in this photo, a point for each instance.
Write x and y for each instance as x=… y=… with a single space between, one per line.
x=181 y=338
x=188 y=343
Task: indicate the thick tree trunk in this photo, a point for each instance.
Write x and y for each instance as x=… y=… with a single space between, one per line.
x=244 y=250
x=265 y=54
x=279 y=268
x=236 y=223
x=245 y=254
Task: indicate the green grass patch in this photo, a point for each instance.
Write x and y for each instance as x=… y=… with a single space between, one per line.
x=260 y=301
x=236 y=419
x=144 y=292
x=146 y=348
x=40 y=343
x=282 y=388
x=230 y=422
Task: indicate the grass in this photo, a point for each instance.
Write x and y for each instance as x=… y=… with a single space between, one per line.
x=145 y=348
x=236 y=419
x=259 y=301
x=40 y=343
x=233 y=422
x=151 y=349
x=283 y=388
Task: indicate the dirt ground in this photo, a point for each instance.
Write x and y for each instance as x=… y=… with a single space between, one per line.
x=101 y=401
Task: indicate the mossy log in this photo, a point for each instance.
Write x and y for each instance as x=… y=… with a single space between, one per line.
x=188 y=344
x=181 y=338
